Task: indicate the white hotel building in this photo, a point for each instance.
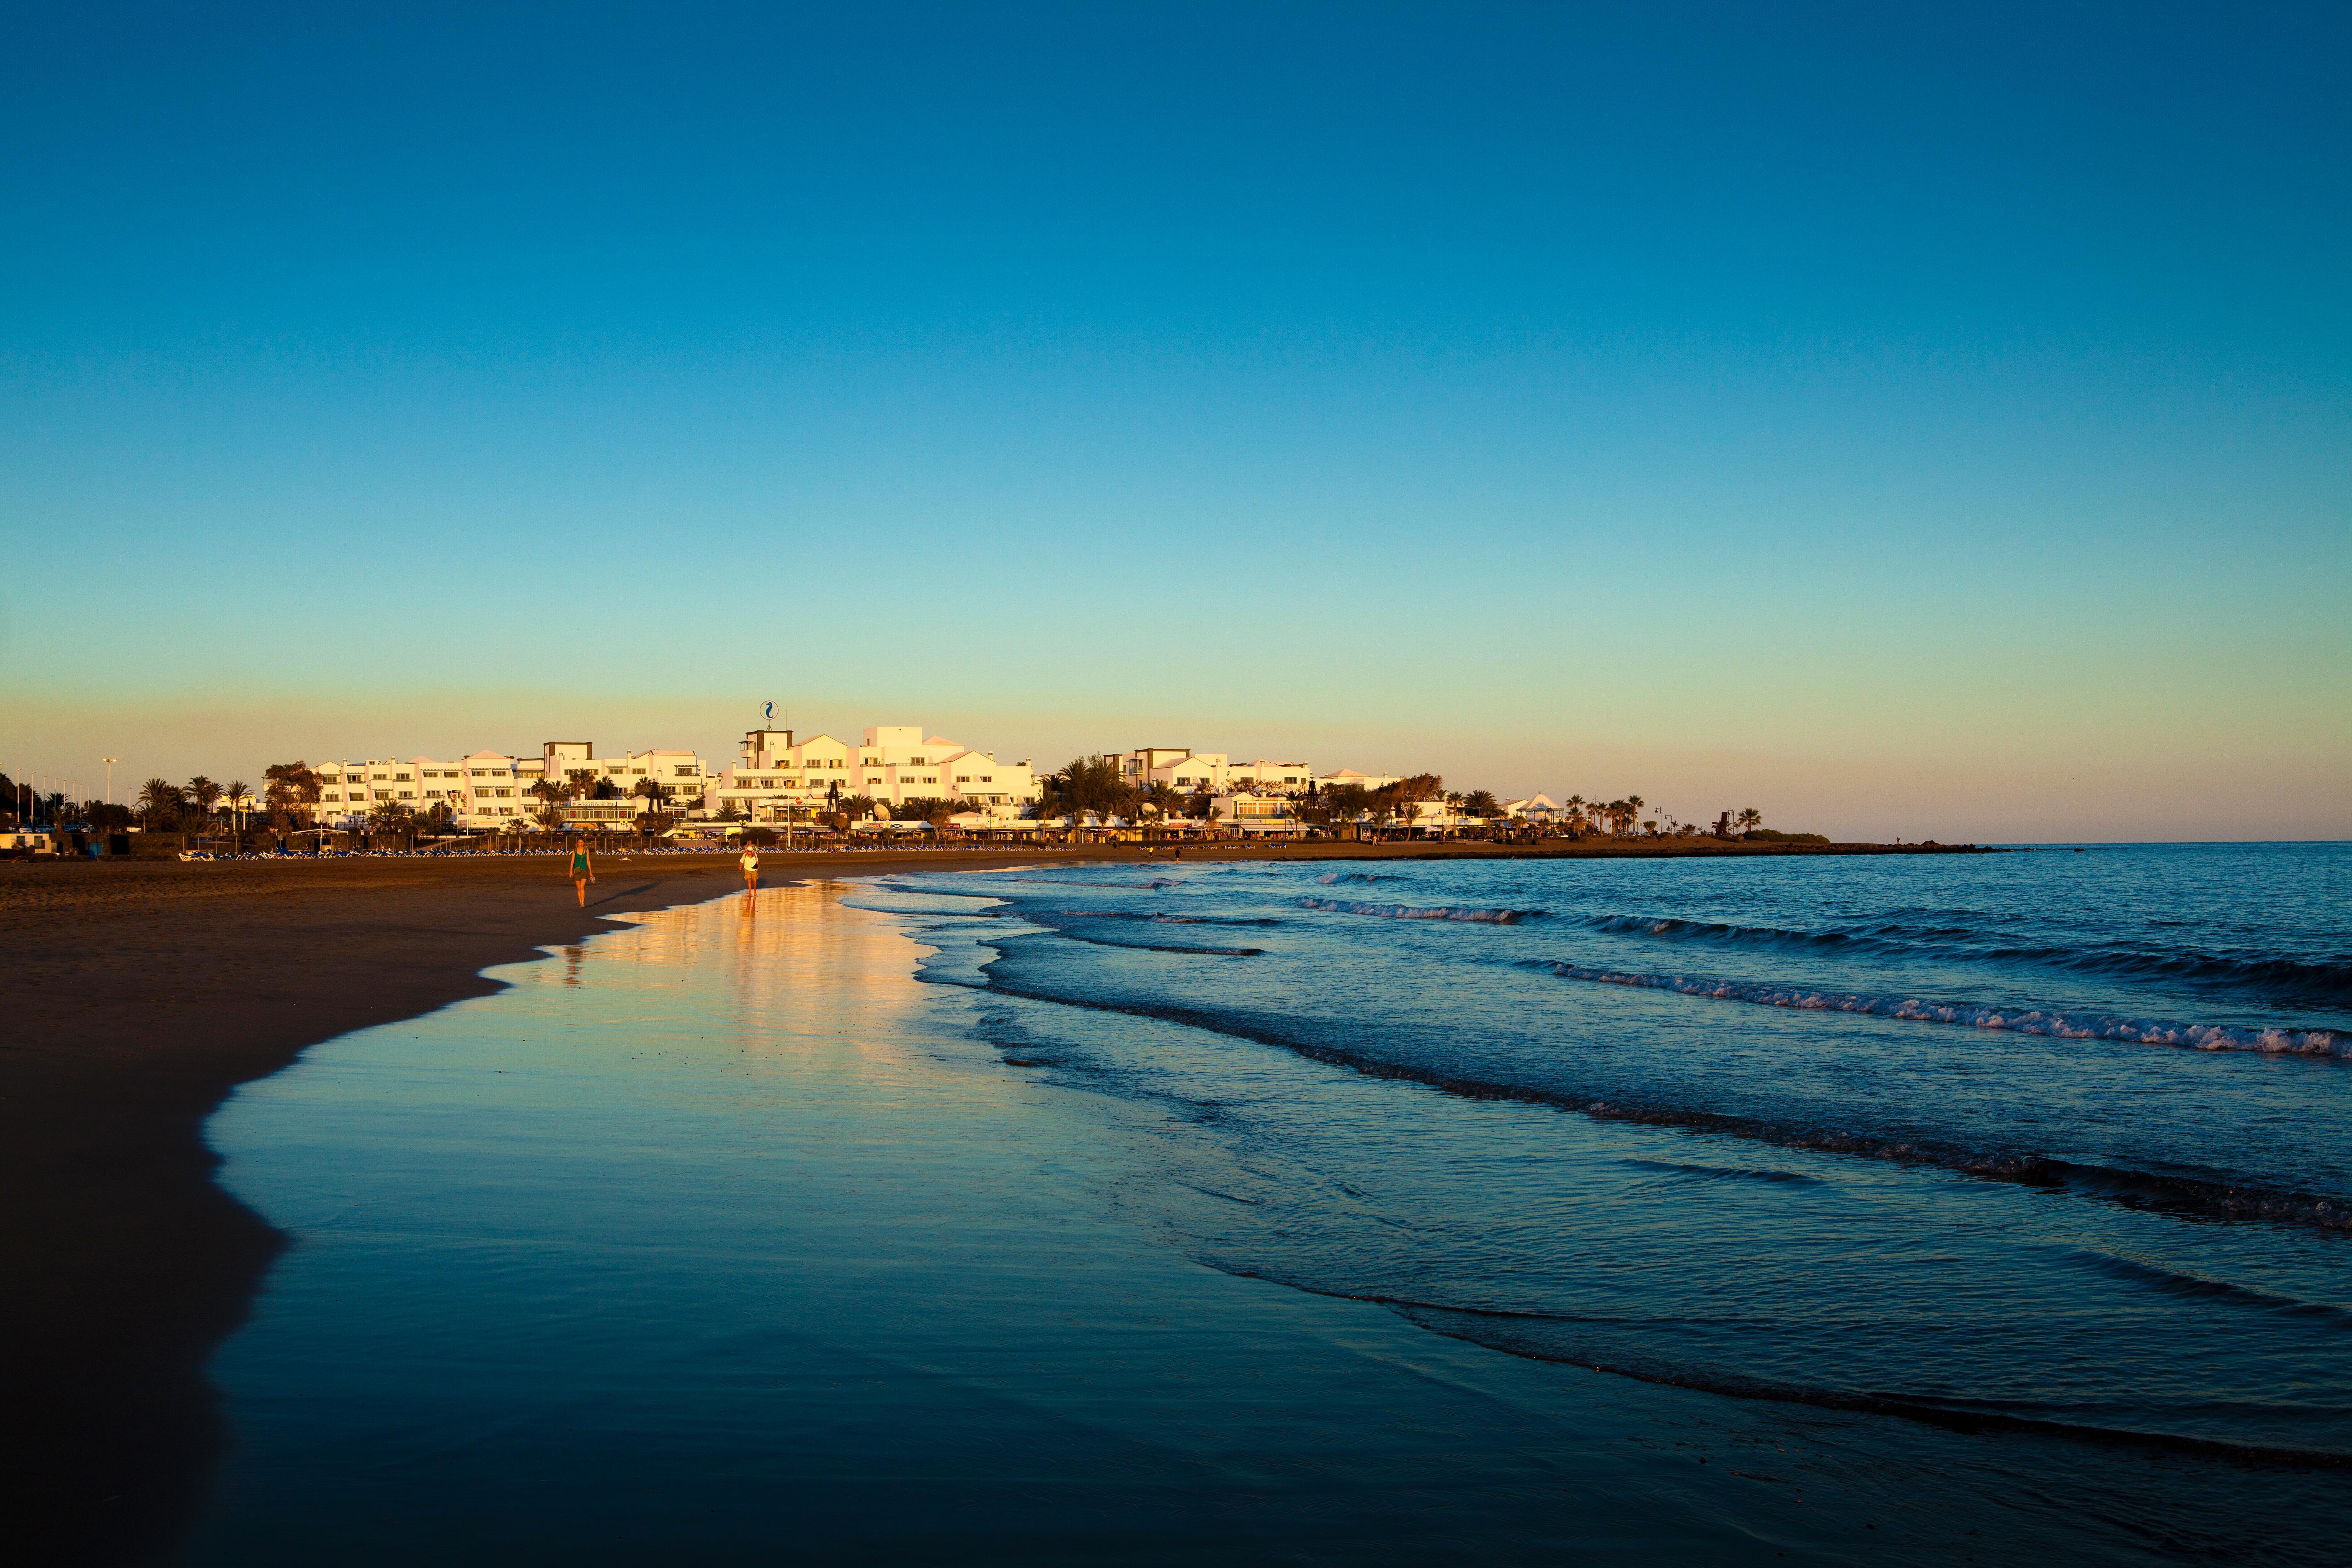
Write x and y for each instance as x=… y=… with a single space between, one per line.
x=490 y=790
x=892 y=764
x=1216 y=773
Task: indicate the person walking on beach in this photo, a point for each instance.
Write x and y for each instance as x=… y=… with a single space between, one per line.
x=582 y=873
x=752 y=867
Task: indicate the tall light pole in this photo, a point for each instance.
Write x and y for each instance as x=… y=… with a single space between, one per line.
x=110 y=763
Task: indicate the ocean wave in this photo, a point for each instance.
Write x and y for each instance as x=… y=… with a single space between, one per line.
x=1553 y=1336
x=2049 y=1022
x=2198 y=1286
x=1074 y=882
x=1411 y=913
x=1332 y=878
x=1158 y=919
x=2304 y=975
x=2277 y=974
x=1162 y=947
x=2197 y=1197
x=1719 y=930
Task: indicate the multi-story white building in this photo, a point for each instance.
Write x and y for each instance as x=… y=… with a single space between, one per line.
x=1190 y=772
x=778 y=774
x=490 y=790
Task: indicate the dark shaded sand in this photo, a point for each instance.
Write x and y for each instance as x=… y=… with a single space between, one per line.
x=137 y=995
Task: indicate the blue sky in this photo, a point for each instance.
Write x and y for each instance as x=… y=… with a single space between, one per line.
x=1929 y=424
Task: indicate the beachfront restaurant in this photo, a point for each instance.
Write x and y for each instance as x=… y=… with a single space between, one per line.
x=1258 y=815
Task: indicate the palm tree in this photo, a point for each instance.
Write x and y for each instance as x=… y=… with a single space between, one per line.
x=237 y=791
x=651 y=790
x=159 y=800
x=205 y=793
x=1087 y=783
x=1748 y=817
x=1481 y=802
x=1161 y=799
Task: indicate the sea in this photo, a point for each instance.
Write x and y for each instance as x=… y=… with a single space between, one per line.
x=1968 y=1208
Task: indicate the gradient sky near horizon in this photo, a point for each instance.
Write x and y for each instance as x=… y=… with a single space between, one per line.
x=1927 y=422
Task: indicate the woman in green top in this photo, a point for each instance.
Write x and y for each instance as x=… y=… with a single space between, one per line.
x=580 y=873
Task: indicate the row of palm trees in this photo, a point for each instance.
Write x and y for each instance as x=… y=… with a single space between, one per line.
x=161 y=804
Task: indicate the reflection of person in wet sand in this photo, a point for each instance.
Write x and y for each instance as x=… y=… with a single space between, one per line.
x=750 y=869
x=582 y=874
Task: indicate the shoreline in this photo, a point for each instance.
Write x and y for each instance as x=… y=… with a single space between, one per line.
x=143 y=993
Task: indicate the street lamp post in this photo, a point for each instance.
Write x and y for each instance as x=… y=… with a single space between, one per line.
x=110 y=763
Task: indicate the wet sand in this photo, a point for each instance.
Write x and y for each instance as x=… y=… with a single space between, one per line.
x=138 y=995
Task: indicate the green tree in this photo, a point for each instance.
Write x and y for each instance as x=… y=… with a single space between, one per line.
x=292 y=790
x=1748 y=819
x=1481 y=802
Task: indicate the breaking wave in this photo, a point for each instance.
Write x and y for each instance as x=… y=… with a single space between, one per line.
x=1410 y=912
x=1331 y=879
x=2020 y=1020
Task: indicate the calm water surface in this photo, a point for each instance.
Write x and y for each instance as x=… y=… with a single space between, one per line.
x=1991 y=1207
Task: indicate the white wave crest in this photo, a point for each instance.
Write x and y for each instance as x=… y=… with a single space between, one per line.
x=1409 y=913
x=2018 y=1020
